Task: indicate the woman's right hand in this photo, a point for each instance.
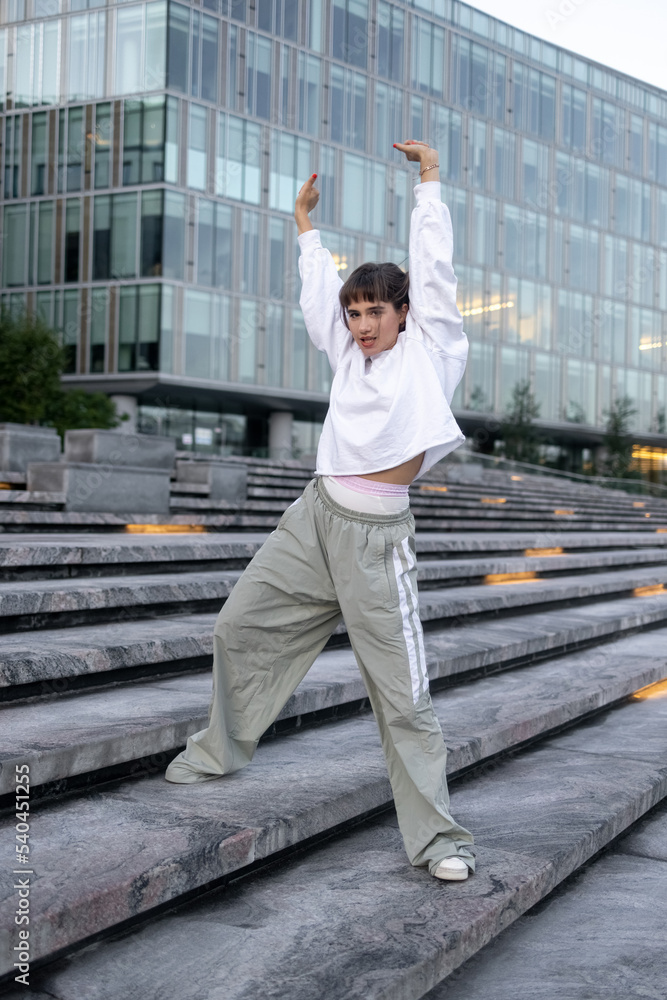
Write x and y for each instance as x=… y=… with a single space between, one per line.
x=307 y=198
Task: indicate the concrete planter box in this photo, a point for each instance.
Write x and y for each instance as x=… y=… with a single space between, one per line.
x=111 y=489
x=226 y=480
x=147 y=451
x=21 y=444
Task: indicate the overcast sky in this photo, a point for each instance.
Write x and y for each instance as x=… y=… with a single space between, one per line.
x=628 y=35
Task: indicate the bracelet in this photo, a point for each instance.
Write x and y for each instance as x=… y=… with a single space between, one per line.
x=433 y=165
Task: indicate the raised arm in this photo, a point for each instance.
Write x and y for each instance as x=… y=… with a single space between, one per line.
x=320 y=282
x=432 y=279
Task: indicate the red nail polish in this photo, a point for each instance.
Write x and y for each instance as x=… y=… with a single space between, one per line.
x=314 y=176
x=395 y=147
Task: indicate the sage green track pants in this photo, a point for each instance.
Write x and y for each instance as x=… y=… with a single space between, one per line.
x=323 y=563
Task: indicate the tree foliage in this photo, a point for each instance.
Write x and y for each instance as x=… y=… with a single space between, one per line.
x=518 y=431
x=617 y=439
x=31 y=364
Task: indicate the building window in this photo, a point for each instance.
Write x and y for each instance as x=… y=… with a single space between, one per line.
x=238 y=169
x=525 y=236
x=67 y=307
x=291 y=159
x=249 y=321
x=484 y=227
x=504 y=159
x=390 y=35
x=279 y=17
x=388 y=118
x=214 y=244
x=12 y=151
x=584 y=258
x=364 y=189
x=86 y=56
x=250 y=252
x=206 y=329
x=482 y=376
x=143 y=141
x=139 y=328
x=273 y=345
x=259 y=62
x=99 y=310
x=203 y=57
x=347 y=107
x=102 y=141
x=151 y=233
x=635 y=157
x=197 y=147
x=350 y=31
x=300 y=352
x=37 y=64
x=428 y=57
x=173 y=255
x=573 y=118
x=141 y=47
x=310 y=93
x=478 y=78
x=533 y=105
x=14 y=236
x=477 y=154
x=657 y=153
x=276 y=258
x=39 y=153
x=72 y=239
x=632 y=208
x=607 y=134
x=535 y=174
x=445 y=133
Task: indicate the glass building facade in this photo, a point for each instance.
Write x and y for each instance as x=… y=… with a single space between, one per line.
x=151 y=154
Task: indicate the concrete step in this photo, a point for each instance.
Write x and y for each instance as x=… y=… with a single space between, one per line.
x=66 y=736
x=28 y=605
x=58 y=661
x=41 y=556
x=374 y=927
x=585 y=919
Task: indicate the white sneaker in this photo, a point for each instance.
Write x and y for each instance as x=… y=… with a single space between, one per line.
x=452 y=869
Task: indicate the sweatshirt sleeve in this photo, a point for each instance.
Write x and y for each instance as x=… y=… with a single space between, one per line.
x=432 y=279
x=320 y=285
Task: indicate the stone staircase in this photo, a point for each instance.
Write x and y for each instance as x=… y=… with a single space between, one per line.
x=288 y=879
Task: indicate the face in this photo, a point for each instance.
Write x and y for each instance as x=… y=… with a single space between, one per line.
x=375 y=325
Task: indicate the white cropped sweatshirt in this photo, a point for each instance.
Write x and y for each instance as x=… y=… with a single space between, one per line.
x=401 y=407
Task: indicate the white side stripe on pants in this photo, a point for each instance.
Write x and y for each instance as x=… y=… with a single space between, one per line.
x=412 y=631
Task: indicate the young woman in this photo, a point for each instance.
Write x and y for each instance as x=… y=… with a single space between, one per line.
x=346 y=547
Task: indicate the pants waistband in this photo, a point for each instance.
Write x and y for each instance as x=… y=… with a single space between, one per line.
x=401 y=517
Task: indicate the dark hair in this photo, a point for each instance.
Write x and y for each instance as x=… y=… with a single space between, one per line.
x=376 y=283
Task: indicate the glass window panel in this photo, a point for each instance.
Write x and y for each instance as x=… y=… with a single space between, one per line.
x=477 y=154
x=129 y=49
x=195 y=35
x=132 y=142
x=51 y=62
x=127 y=329
x=39 y=153
x=171 y=141
x=178 y=47
x=153 y=124
x=75 y=149
x=300 y=341
x=209 y=59
x=197 y=147
x=364 y=186
x=238 y=164
x=45 y=243
x=102 y=238
x=173 y=254
x=205 y=241
x=151 y=234
x=276 y=259
x=197 y=328
x=15 y=236
x=99 y=308
x=273 y=339
x=390 y=35
x=155 y=47
x=310 y=84
x=124 y=236
x=223 y=246
x=482 y=376
x=70 y=327
x=290 y=165
x=102 y=141
x=247 y=341
x=72 y=239
x=250 y=252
